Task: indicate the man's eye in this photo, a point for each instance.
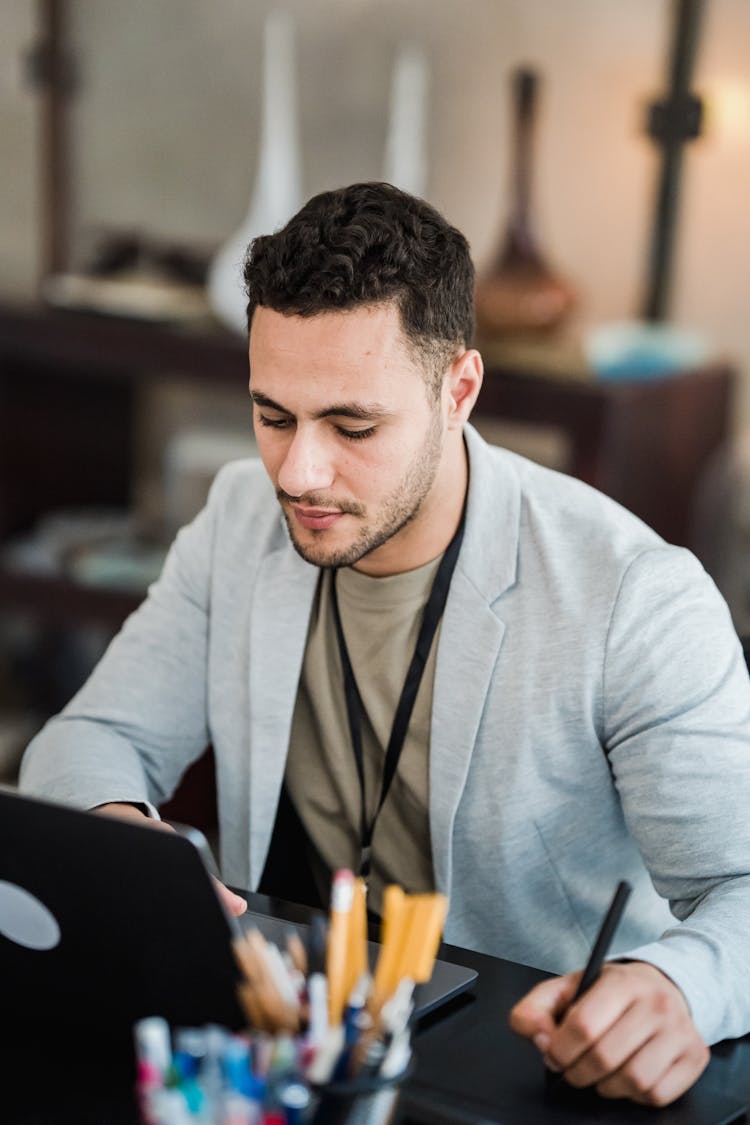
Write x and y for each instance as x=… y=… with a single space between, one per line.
x=356 y=435
x=274 y=423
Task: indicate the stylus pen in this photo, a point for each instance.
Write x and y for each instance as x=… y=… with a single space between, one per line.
x=599 y=951
x=603 y=940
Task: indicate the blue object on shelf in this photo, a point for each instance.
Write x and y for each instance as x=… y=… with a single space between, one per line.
x=640 y=351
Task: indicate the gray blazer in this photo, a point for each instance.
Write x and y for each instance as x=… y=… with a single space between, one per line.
x=591 y=722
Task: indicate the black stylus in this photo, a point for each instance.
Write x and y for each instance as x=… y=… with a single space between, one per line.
x=603 y=940
x=599 y=951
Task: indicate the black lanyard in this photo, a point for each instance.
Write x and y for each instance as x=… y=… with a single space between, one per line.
x=432 y=614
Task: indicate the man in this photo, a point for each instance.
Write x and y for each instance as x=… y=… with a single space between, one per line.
x=444 y=666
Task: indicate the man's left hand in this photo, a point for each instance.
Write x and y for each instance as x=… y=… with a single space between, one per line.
x=630 y=1035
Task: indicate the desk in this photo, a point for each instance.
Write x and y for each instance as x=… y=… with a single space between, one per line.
x=459 y=1063
x=459 y=1076
x=459 y=1053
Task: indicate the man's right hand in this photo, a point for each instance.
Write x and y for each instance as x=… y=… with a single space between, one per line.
x=124 y=811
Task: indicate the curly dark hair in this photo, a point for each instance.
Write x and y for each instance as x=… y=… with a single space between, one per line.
x=366 y=244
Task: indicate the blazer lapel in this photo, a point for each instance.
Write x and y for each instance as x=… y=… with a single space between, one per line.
x=466 y=659
x=470 y=638
x=282 y=602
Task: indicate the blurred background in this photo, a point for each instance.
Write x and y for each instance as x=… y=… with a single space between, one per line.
x=596 y=154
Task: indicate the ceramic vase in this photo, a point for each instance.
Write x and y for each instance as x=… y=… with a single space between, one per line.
x=405 y=163
x=521 y=294
x=277 y=192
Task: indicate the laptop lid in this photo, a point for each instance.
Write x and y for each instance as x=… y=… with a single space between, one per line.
x=103 y=922
x=108 y=921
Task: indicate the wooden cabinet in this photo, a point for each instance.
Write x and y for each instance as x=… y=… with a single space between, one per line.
x=646 y=445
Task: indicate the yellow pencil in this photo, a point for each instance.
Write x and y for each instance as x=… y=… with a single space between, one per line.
x=423 y=939
x=357 y=962
x=337 y=952
x=394 y=915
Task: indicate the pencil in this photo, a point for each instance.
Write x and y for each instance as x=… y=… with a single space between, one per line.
x=339 y=945
x=392 y=936
x=430 y=916
x=357 y=952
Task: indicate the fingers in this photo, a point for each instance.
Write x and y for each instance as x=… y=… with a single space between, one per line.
x=656 y=1076
x=539 y=1010
x=603 y=1054
x=631 y=1035
x=627 y=1006
x=235 y=904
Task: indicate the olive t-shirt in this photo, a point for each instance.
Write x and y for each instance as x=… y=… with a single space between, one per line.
x=380 y=618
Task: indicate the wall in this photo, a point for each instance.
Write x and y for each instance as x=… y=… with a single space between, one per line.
x=18 y=201
x=166 y=130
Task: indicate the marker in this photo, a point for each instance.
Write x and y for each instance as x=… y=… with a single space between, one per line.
x=236 y=1066
x=168 y=1107
x=321 y=1068
x=355 y=1010
x=153 y=1051
x=189 y=1049
x=397 y=1057
x=294 y=1098
x=317 y=988
x=152 y=1042
x=397 y=1011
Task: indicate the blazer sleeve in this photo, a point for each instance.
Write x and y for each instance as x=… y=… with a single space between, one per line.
x=677 y=733
x=140 y=720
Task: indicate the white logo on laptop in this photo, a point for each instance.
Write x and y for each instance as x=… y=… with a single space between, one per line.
x=25 y=920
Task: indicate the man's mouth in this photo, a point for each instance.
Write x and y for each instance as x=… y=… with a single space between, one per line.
x=316 y=519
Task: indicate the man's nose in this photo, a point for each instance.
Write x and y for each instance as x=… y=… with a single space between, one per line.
x=307 y=467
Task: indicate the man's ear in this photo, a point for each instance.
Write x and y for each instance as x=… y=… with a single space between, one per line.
x=462 y=383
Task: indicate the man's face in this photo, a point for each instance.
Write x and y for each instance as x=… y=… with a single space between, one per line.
x=348 y=430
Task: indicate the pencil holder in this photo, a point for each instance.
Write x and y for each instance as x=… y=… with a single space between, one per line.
x=358 y=1101
x=213 y=1076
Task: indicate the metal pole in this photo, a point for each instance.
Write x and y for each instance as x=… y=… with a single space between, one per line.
x=51 y=73
x=672 y=122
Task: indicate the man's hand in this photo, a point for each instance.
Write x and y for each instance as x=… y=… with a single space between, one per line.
x=123 y=811
x=631 y=1035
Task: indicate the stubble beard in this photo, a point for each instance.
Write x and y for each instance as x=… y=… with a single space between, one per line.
x=399 y=510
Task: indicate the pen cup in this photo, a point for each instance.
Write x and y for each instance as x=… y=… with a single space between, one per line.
x=357 y=1101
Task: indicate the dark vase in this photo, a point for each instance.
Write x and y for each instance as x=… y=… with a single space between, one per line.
x=521 y=293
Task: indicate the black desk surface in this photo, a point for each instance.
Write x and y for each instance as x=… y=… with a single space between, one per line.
x=470 y=1058
x=470 y=1068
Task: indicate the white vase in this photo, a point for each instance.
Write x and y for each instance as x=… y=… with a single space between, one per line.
x=405 y=164
x=277 y=193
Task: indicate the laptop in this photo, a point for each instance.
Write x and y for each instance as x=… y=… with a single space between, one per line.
x=103 y=922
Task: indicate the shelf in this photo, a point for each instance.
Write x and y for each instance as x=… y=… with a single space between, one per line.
x=67 y=378
x=113 y=347
x=59 y=601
